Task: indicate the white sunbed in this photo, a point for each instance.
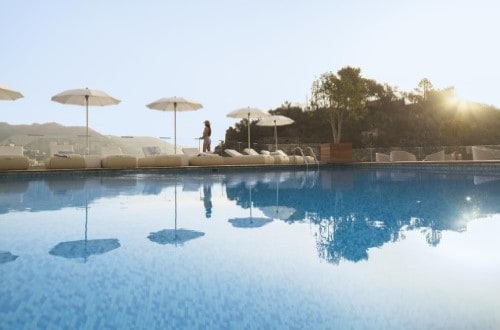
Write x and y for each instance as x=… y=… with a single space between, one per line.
x=435 y=157
x=279 y=157
x=237 y=158
x=402 y=156
x=195 y=158
x=296 y=159
x=382 y=158
x=484 y=153
x=12 y=158
x=292 y=159
x=64 y=157
x=268 y=158
x=154 y=158
x=113 y=157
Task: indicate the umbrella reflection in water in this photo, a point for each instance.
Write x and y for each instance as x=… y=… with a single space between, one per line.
x=6 y=256
x=84 y=248
x=174 y=236
x=250 y=222
x=278 y=212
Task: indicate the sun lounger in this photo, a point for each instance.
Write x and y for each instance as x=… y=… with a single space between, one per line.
x=402 y=156
x=382 y=158
x=293 y=159
x=435 y=157
x=484 y=153
x=64 y=157
x=237 y=158
x=12 y=158
x=252 y=152
x=92 y=161
x=112 y=157
x=154 y=158
x=279 y=158
x=196 y=158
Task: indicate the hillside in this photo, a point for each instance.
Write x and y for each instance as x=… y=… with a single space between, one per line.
x=36 y=139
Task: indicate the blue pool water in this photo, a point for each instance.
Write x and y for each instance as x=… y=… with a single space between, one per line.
x=251 y=249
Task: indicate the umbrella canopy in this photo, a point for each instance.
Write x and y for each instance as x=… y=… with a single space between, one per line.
x=174 y=236
x=249 y=222
x=276 y=120
x=247 y=113
x=174 y=104
x=85 y=97
x=9 y=94
x=278 y=212
x=6 y=256
x=84 y=248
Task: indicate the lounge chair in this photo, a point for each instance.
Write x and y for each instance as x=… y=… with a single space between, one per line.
x=435 y=157
x=113 y=157
x=64 y=157
x=484 y=153
x=237 y=158
x=12 y=158
x=279 y=156
x=195 y=158
x=382 y=158
x=92 y=161
x=252 y=152
x=292 y=159
x=453 y=156
x=402 y=156
x=154 y=158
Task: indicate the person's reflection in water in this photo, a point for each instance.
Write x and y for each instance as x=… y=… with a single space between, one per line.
x=207 y=199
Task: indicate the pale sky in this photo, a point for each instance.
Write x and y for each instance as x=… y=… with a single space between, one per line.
x=232 y=54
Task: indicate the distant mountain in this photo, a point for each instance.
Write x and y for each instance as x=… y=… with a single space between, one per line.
x=36 y=138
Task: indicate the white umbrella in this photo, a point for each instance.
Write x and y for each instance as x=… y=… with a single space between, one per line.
x=86 y=97
x=174 y=104
x=9 y=94
x=276 y=120
x=247 y=113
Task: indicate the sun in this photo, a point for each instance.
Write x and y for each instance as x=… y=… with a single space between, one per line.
x=459 y=104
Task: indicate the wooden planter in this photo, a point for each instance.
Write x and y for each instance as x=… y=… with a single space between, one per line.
x=336 y=152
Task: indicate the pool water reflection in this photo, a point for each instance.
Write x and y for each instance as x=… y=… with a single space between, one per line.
x=335 y=248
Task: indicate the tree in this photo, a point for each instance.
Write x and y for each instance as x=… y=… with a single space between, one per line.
x=424 y=87
x=343 y=94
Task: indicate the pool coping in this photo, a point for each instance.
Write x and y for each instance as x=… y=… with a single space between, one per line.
x=463 y=166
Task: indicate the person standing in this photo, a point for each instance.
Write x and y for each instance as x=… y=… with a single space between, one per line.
x=207 y=132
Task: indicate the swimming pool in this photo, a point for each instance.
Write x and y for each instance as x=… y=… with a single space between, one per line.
x=251 y=249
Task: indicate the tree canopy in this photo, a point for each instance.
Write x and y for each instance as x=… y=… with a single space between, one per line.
x=348 y=107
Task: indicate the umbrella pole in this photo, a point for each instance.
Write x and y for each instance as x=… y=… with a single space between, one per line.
x=175 y=128
x=86 y=220
x=87 y=124
x=249 y=131
x=175 y=206
x=250 y=193
x=276 y=136
x=277 y=192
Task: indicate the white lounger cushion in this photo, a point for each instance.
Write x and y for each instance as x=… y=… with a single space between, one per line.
x=12 y=158
x=112 y=157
